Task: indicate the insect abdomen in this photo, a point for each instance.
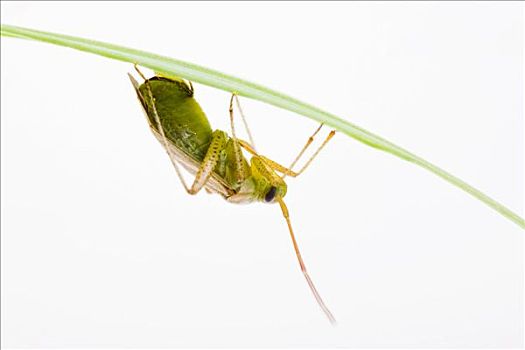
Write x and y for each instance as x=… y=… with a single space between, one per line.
x=182 y=118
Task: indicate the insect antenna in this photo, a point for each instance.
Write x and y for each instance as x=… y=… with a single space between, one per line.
x=303 y=267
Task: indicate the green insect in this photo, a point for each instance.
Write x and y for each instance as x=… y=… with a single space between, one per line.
x=215 y=158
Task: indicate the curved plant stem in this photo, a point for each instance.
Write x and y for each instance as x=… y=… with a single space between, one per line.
x=210 y=77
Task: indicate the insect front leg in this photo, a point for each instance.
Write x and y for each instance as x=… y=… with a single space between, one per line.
x=274 y=165
x=310 y=140
x=288 y=171
x=281 y=168
x=308 y=143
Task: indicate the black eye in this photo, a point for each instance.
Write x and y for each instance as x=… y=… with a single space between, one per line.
x=270 y=195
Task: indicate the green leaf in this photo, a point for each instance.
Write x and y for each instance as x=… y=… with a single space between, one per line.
x=210 y=77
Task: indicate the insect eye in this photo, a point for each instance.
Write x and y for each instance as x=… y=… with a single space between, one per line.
x=270 y=195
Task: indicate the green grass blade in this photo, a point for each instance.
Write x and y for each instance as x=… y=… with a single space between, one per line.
x=210 y=77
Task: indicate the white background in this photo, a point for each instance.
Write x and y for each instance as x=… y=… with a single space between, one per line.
x=102 y=247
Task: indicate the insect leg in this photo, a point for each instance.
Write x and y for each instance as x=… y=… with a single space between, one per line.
x=161 y=131
x=252 y=143
x=317 y=296
x=139 y=71
x=274 y=165
x=308 y=143
x=217 y=144
x=282 y=169
x=236 y=147
x=330 y=135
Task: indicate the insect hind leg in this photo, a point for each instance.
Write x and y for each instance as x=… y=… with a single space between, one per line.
x=165 y=141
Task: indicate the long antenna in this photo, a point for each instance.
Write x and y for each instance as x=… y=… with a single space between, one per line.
x=303 y=266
